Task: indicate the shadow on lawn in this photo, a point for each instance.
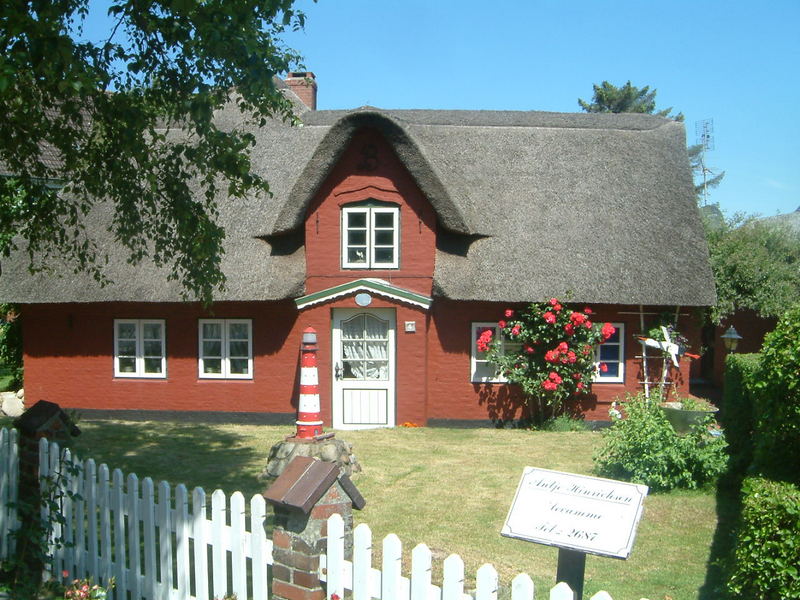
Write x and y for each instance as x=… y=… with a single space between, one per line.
x=190 y=453
x=729 y=507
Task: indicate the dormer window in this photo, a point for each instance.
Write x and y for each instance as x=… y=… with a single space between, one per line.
x=370 y=235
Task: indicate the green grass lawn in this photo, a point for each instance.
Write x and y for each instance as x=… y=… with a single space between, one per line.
x=448 y=488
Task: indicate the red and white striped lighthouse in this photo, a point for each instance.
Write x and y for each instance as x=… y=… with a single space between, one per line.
x=309 y=423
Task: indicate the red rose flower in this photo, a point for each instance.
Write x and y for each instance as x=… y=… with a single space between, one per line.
x=587 y=310
x=562 y=347
x=607 y=331
x=569 y=329
x=588 y=324
x=529 y=349
x=603 y=367
x=501 y=324
x=509 y=313
x=549 y=385
x=549 y=317
x=577 y=318
x=580 y=386
x=555 y=377
x=586 y=350
x=551 y=356
x=577 y=376
x=557 y=307
x=571 y=356
x=515 y=330
x=553 y=301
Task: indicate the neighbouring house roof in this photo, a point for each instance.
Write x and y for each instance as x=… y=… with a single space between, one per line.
x=529 y=204
x=789 y=220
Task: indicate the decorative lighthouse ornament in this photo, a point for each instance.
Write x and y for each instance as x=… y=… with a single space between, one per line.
x=309 y=423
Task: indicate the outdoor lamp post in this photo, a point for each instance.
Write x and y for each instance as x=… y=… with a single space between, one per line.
x=731 y=339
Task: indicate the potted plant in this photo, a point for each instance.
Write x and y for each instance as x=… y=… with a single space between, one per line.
x=685 y=413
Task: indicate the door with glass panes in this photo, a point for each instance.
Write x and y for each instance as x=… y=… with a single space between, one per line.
x=363 y=368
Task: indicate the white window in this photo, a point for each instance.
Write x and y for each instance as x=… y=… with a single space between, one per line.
x=482 y=370
x=226 y=349
x=139 y=348
x=610 y=358
x=370 y=237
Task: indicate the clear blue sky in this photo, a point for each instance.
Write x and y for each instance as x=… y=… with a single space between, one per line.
x=735 y=62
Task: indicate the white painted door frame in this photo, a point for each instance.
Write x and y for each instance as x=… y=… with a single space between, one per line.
x=364 y=364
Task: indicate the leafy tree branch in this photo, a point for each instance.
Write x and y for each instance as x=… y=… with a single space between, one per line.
x=129 y=122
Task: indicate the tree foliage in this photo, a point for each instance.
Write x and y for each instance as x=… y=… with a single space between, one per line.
x=756 y=266
x=128 y=121
x=11 y=343
x=609 y=98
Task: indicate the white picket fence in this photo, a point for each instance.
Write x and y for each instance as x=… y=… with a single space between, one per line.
x=388 y=583
x=9 y=487
x=156 y=543
x=161 y=544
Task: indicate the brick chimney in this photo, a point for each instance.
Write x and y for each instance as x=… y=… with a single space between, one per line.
x=304 y=85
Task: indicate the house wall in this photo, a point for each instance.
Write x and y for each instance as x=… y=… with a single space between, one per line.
x=69 y=349
x=453 y=396
x=69 y=360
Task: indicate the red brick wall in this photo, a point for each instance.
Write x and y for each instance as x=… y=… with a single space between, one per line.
x=453 y=396
x=367 y=169
x=69 y=358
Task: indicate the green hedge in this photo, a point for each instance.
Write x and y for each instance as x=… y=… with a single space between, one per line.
x=776 y=385
x=738 y=410
x=767 y=554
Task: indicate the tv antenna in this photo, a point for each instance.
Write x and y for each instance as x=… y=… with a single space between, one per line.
x=704 y=137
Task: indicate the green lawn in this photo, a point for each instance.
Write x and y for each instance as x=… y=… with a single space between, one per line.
x=448 y=488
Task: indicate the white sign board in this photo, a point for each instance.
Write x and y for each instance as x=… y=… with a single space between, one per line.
x=576 y=512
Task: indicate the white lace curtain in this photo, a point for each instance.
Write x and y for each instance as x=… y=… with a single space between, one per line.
x=365 y=348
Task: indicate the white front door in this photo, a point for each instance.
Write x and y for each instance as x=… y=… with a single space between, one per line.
x=363 y=368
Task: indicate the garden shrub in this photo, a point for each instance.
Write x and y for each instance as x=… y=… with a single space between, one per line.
x=11 y=343
x=547 y=349
x=737 y=415
x=643 y=448
x=767 y=553
x=776 y=385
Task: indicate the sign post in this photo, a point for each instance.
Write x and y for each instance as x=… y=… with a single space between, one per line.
x=577 y=514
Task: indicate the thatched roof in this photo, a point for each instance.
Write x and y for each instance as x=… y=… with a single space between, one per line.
x=529 y=204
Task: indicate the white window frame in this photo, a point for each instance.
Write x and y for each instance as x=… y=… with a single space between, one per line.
x=475 y=360
x=225 y=372
x=140 y=356
x=371 y=213
x=600 y=377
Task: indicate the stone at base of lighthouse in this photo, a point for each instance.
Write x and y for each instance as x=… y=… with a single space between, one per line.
x=328 y=449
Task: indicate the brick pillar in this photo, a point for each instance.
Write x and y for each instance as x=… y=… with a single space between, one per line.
x=298 y=540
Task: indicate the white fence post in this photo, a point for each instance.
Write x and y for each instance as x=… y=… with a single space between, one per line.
x=522 y=587
x=336 y=556
x=134 y=551
x=200 y=543
x=453 y=578
x=362 y=562
x=562 y=592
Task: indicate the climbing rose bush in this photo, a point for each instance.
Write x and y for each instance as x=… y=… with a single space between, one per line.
x=548 y=350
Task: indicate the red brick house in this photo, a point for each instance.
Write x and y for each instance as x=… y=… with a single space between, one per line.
x=397 y=235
